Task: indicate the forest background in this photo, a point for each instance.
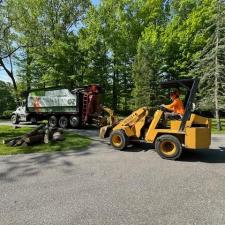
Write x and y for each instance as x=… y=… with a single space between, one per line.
x=127 y=46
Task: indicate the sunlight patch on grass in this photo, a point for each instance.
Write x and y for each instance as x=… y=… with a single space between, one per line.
x=214 y=129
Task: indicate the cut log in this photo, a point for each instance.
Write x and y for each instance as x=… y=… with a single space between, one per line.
x=52 y=130
x=34 y=139
x=41 y=134
x=46 y=137
x=18 y=142
x=31 y=134
x=6 y=141
x=11 y=143
x=57 y=136
x=35 y=131
x=24 y=144
x=60 y=130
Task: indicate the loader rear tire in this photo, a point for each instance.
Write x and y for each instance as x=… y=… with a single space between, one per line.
x=119 y=139
x=168 y=147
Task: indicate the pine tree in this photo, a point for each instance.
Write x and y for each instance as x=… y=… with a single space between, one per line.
x=145 y=78
x=211 y=64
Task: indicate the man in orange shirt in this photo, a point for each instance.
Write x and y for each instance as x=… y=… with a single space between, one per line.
x=175 y=110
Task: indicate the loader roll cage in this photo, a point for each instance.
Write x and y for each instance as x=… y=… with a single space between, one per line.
x=191 y=85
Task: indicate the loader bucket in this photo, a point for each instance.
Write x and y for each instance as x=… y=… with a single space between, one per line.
x=105 y=131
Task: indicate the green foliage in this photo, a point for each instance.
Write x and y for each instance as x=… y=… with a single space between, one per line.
x=7 y=99
x=210 y=66
x=7 y=114
x=127 y=46
x=48 y=32
x=116 y=27
x=146 y=77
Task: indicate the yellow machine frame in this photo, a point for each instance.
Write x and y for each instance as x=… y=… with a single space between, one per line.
x=196 y=135
x=192 y=131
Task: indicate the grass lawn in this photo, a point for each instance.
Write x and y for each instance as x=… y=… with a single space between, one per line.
x=2 y=120
x=214 y=129
x=72 y=142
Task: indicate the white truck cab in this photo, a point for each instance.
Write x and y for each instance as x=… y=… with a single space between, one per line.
x=20 y=114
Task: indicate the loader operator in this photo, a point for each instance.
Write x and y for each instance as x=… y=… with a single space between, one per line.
x=175 y=110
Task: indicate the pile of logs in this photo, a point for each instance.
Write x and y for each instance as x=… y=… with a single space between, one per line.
x=41 y=134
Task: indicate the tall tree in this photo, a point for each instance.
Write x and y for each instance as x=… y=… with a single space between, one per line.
x=211 y=64
x=181 y=40
x=145 y=77
x=49 y=29
x=8 y=46
x=7 y=100
x=149 y=58
x=118 y=26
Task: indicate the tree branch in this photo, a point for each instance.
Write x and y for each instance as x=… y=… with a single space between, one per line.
x=5 y=68
x=12 y=52
x=11 y=65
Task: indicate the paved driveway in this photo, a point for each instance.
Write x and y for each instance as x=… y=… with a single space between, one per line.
x=102 y=186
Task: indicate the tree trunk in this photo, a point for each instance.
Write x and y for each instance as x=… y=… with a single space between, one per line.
x=28 y=72
x=114 y=94
x=216 y=84
x=11 y=75
x=125 y=92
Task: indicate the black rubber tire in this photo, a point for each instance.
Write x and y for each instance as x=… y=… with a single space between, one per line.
x=168 y=147
x=53 y=121
x=33 y=120
x=14 y=119
x=63 y=122
x=74 y=121
x=122 y=138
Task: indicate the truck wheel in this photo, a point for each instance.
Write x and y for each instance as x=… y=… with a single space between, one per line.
x=119 y=139
x=15 y=119
x=53 y=121
x=63 y=122
x=168 y=147
x=74 y=121
x=33 y=120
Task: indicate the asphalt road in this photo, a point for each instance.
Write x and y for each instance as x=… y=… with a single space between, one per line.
x=99 y=186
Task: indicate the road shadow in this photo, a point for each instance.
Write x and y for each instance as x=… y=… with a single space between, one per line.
x=140 y=147
x=17 y=166
x=216 y=155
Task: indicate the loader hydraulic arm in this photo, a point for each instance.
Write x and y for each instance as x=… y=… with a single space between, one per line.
x=112 y=117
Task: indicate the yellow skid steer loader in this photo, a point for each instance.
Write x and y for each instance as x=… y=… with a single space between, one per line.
x=192 y=131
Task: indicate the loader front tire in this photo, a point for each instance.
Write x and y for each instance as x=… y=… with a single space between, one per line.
x=119 y=139
x=168 y=147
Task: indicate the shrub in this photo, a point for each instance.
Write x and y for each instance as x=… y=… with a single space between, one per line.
x=7 y=114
